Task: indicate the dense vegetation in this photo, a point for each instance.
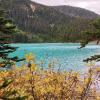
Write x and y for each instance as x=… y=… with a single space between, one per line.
x=47 y=24
x=89 y=36
x=30 y=82
x=38 y=84
x=6 y=31
x=42 y=84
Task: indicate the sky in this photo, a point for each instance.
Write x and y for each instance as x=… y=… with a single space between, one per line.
x=93 y=5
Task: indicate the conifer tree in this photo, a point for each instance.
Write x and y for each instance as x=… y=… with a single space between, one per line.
x=92 y=36
x=7 y=29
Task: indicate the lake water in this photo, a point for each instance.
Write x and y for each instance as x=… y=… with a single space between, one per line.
x=65 y=56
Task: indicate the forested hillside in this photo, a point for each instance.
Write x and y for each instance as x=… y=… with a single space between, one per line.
x=47 y=24
x=76 y=12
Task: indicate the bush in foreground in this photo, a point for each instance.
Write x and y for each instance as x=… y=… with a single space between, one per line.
x=36 y=84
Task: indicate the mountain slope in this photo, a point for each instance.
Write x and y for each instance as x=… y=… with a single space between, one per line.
x=76 y=12
x=45 y=23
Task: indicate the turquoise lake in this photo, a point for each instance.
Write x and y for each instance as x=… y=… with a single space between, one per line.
x=63 y=56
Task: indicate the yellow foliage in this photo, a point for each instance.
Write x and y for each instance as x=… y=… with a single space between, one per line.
x=97 y=69
x=41 y=84
x=98 y=98
x=33 y=67
x=29 y=57
x=79 y=89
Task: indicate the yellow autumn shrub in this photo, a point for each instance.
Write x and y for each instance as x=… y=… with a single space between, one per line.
x=40 y=84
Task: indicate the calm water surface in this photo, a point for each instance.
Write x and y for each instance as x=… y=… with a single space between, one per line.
x=65 y=56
